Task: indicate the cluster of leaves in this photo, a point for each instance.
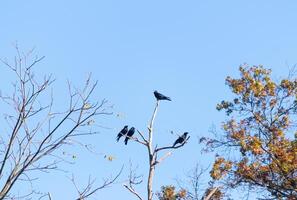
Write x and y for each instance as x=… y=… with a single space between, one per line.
x=260 y=127
x=169 y=193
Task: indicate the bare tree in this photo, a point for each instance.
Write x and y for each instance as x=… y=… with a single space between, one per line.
x=153 y=156
x=36 y=131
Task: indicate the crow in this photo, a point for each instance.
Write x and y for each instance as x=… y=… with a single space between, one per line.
x=160 y=96
x=181 y=139
x=129 y=134
x=122 y=132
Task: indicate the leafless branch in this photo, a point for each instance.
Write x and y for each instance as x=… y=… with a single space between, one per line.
x=88 y=191
x=173 y=147
x=133 y=180
x=133 y=191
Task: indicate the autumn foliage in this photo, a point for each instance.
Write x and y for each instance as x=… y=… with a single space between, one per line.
x=170 y=193
x=261 y=133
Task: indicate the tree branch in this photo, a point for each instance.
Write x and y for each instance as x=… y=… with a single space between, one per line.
x=172 y=147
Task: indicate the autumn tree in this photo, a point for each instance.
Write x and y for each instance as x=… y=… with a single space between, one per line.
x=36 y=130
x=261 y=134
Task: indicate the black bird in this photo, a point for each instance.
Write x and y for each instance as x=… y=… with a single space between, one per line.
x=160 y=96
x=122 y=132
x=181 y=139
x=129 y=134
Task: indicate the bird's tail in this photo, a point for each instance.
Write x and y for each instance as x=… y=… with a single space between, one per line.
x=168 y=98
x=126 y=141
x=118 y=138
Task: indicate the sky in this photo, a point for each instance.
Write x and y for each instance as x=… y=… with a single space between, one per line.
x=184 y=49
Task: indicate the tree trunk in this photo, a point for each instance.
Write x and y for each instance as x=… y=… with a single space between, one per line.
x=150 y=179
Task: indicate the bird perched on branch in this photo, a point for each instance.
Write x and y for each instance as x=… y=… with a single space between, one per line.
x=129 y=134
x=122 y=132
x=160 y=96
x=181 y=139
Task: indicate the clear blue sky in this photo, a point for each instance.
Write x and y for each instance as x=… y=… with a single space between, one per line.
x=183 y=48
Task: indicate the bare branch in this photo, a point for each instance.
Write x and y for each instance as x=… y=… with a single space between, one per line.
x=133 y=191
x=163 y=158
x=88 y=191
x=142 y=137
x=172 y=147
x=133 y=179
